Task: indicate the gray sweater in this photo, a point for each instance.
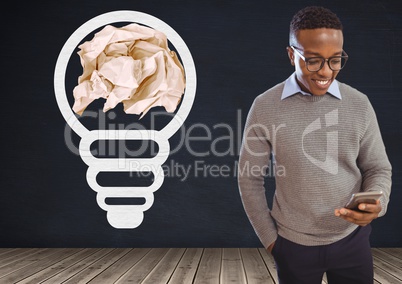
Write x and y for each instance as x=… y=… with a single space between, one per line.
x=324 y=149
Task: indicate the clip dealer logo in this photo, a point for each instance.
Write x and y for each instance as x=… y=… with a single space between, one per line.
x=330 y=164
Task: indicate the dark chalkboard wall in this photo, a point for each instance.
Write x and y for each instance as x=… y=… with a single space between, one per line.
x=238 y=49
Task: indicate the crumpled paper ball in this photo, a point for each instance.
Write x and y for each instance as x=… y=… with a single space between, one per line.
x=131 y=65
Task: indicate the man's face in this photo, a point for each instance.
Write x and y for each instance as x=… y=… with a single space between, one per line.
x=312 y=43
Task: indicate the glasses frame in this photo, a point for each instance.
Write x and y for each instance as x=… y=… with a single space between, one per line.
x=307 y=59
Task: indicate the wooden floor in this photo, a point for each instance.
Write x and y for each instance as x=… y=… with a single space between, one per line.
x=160 y=265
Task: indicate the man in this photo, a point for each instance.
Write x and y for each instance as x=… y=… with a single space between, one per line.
x=324 y=138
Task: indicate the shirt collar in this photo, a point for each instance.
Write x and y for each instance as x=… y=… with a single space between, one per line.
x=292 y=87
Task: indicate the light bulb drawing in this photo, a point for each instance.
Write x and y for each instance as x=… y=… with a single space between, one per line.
x=124 y=216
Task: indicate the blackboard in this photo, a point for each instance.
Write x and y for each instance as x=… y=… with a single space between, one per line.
x=238 y=48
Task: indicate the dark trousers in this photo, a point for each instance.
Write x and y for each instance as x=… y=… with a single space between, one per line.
x=346 y=261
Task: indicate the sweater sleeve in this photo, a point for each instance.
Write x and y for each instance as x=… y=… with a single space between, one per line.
x=373 y=160
x=253 y=160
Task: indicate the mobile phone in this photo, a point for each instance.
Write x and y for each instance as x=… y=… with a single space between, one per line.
x=370 y=197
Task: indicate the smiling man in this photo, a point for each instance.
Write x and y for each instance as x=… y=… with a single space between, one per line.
x=329 y=144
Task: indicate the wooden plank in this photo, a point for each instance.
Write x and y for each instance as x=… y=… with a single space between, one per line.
x=270 y=263
x=19 y=262
x=215 y=265
x=391 y=259
x=210 y=267
x=97 y=267
x=256 y=270
x=389 y=268
x=397 y=252
x=57 y=267
x=187 y=266
x=324 y=279
x=232 y=266
x=164 y=269
x=141 y=269
x=6 y=250
x=115 y=271
x=15 y=254
x=54 y=255
x=2 y=250
x=384 y=277
x=78 y=266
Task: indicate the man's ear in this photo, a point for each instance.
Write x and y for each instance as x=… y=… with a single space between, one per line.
x=291 y=55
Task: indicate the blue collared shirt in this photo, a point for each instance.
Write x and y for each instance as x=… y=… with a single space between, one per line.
x=292 y=87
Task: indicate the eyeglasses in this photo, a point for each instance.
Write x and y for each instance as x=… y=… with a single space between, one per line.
x=314 y=64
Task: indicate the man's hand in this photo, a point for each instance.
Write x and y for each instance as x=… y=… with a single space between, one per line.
x=368 y=213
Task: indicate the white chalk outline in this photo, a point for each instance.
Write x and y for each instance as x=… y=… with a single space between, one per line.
x=124 y=216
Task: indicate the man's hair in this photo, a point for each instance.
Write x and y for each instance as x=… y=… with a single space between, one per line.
x=313 y=17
